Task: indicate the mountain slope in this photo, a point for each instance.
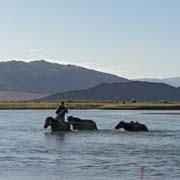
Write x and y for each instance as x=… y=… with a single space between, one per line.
x=19 y=96
x=46 y=77
x=141 y=91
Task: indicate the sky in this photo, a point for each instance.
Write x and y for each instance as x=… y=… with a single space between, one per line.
x=130 y=38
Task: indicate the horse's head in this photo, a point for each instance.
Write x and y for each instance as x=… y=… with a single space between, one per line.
x=120 y=125
x=48 y=122
x=70 y=119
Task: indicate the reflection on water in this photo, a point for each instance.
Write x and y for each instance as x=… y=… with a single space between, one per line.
x=28 y=151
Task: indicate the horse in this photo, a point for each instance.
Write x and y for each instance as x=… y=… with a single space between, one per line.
x=132 y=126
x=55 y=126
x=79 y=124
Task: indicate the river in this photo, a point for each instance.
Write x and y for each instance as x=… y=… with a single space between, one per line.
x=28 y=151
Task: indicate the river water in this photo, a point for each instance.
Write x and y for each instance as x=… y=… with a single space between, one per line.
x=27 y=151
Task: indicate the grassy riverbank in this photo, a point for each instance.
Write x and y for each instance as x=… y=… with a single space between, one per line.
x=91 y=105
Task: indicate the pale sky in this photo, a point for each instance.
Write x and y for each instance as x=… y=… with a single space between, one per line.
x=130 y=38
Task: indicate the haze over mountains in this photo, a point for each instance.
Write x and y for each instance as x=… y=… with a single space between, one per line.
x=20 y=96
x=175 y=81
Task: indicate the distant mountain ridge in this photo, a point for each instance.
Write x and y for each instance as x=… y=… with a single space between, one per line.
x=46 y=77
x=175 y=81
x=141 y=91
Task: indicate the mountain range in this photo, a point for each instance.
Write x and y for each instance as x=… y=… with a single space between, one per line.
x=45 y=77
x=140 y=91
x=20 y=80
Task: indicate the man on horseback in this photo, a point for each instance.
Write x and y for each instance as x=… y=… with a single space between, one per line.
x=61 y=111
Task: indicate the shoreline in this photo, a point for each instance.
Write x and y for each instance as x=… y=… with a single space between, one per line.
x=85 y=105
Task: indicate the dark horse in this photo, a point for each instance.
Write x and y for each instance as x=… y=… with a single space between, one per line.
x=132 y=126
x=55 y=126
x=79 y=124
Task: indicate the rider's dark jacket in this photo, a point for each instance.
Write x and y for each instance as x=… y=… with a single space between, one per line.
x=61 y=110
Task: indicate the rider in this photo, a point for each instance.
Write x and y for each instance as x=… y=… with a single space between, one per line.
x=61 y=111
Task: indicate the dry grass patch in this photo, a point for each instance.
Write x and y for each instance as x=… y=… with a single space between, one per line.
x=89 y=105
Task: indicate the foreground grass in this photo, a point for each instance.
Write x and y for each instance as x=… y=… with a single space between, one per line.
x=91 y=105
